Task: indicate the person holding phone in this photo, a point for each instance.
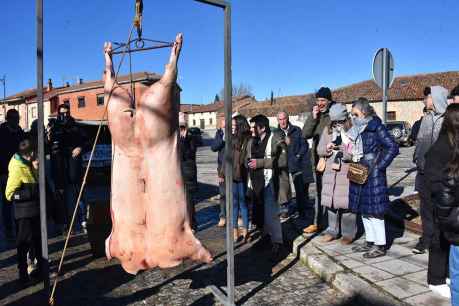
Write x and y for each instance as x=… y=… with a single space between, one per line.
x=334 y=147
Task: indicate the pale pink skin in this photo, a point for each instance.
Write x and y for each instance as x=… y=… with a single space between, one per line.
x=150 y=221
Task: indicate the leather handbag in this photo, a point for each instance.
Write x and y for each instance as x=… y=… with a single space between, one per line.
x=321 y=165
x=358 y=173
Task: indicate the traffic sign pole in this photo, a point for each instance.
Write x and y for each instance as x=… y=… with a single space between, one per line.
x=384 y=70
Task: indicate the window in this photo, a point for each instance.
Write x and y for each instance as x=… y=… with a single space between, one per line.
x=391 y=116
x=100 y=99
x=67 y=102
x=34 y=113
x=81 y=102
x=210 y=121
x=194 y=122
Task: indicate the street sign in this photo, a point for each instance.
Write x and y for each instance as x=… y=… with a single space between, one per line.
x=383 y=68
x=383 y=74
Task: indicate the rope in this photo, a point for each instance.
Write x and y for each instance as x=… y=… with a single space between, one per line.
x=51 y=299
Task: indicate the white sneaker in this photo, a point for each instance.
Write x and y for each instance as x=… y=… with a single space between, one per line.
x=441 y=290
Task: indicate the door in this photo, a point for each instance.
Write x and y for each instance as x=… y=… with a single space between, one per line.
x=202 y=124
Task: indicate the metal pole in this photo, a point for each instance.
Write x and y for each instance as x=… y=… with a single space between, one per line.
x=41 y=148
x=229 y=157
x=385 y=81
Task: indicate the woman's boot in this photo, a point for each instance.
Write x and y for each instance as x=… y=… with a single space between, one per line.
x=236 y=235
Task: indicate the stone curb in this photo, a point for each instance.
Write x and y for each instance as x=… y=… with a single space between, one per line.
x=340 y=276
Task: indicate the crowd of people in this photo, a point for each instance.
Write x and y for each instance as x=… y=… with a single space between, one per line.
x=348 y=158
x=65 y=143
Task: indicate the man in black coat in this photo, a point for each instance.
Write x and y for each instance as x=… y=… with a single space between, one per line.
x=189 y=170
x=10 y=135
x=68 y=142
x=297 y=149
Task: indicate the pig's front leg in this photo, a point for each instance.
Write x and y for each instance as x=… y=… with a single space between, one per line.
x=169 y=236
x=127 y=239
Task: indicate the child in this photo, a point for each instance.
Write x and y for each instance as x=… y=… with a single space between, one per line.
x=22 y=190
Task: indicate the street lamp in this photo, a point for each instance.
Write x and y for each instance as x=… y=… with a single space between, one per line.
x=227 y=298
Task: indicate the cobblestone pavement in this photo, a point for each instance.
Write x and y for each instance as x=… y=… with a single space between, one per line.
x=259 y=279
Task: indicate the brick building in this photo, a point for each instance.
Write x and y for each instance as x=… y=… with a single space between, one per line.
x=86 y=99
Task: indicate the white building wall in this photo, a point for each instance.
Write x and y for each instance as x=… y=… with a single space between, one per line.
x=210 y=120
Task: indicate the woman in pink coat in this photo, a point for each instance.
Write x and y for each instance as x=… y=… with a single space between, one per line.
x=334 y=146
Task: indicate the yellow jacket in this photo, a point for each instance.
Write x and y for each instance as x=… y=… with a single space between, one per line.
x=19 y=173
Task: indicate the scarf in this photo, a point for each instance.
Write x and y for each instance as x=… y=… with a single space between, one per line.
x=355 y=135
x=258 y=152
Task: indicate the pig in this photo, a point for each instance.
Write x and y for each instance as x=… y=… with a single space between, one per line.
x=151 y=227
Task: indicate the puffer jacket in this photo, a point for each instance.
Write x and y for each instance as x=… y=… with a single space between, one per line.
x=372 y=198
x=22 y=188
x=443 y=188
x=335 y=184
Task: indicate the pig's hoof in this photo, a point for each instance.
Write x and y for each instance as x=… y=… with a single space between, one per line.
x=129 y=110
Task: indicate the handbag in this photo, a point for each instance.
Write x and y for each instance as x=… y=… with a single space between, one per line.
x=321 y=165
x=359 y=173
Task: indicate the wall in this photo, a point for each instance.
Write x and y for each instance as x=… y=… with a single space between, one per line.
x=409 y=111
x=207 y=116
x=32 y=113
x=91 y=111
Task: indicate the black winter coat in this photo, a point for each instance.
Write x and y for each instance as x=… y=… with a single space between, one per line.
x=9 y=143
x=188 y=161
x=63 y=139
x=444 y=189
x=297 y=150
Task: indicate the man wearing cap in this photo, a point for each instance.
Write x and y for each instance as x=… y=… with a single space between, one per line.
x=313 y=128
x=187 y=151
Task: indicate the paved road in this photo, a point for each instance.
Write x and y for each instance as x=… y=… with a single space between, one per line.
x=260 y=280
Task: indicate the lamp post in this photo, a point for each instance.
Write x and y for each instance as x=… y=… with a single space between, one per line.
x=41 y=147
x=227 y=298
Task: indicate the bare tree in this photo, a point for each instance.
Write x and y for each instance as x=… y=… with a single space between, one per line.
x=239 y=90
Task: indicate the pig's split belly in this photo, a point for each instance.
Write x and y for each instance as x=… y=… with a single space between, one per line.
x=149 y=213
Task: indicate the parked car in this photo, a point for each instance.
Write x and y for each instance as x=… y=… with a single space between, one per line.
x=196 y=134
x=401 y=131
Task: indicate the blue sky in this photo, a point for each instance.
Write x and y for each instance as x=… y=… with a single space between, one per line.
x=289 y=46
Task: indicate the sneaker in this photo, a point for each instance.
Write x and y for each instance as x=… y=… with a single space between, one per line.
x=222 y=222
x=375 y=252
x=363 y=247
x=239 y=222
x=419 y=248
x=441 y=290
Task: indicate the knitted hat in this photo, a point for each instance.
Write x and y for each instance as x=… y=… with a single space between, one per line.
x=324 y=92
x=338 y=112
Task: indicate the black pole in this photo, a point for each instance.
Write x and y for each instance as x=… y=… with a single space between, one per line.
x=41 y=149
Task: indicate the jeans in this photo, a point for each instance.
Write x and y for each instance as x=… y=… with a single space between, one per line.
x=342 y=222
x=240 y=204
x=222 y=190
x=375 y=230
x=71 y=192
x=272 y=224
x=190 y=206
x=454 y=274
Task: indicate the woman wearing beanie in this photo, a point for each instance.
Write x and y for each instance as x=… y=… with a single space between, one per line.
x=334 y=148
x=374 y=148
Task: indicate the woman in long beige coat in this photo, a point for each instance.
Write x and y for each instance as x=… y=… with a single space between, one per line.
x=334 y=147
